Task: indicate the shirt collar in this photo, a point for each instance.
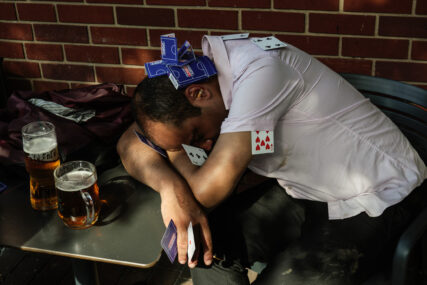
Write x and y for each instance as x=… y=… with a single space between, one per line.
x=214 y=48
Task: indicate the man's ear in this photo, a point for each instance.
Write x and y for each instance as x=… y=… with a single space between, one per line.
x=196 y=93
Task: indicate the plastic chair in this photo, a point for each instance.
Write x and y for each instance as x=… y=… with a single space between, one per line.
x=406 y=106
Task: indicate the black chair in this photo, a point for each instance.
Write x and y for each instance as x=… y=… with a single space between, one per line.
x=406 y=106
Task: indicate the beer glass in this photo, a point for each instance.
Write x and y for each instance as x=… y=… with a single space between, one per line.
x=78 y=194
x=41 y=159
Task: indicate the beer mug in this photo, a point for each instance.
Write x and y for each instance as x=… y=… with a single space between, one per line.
x=41 y=159
x=78 y=194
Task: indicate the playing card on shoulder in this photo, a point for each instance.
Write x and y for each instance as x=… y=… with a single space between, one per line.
x=235 y=36
x=196 y=155
x=168 y=241
x=262 y=142
x=268 y=43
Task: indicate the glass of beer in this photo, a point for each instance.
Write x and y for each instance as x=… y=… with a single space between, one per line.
x=78 y=194
x=41 y=159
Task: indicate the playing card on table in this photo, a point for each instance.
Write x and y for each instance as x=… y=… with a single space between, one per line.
x=268 y=43
x=191 y=248
x=262 y=142
x=195 y=154
x=150 y=144
x=235 y=36
x=168 y=241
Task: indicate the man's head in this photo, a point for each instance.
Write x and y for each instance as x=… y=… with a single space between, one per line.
x=170 y=117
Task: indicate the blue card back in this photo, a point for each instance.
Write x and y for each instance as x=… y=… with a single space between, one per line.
x=169 y=49
x=150 y=144
x=168 y=241
x=155 y=68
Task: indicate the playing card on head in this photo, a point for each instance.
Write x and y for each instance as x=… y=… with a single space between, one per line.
x=268 y=43
x=195 y=154
x=191 y=248
x=150 y=144
x=168 y=241
x=262 y=142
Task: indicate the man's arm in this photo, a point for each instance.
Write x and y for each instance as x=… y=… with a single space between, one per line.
x=177 y=201
x=218 y=176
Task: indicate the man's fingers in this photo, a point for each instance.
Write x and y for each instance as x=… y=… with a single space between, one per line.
x=207 y=243
x=182 y=245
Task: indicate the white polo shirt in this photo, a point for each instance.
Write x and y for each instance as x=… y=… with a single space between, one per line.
x=331 y=143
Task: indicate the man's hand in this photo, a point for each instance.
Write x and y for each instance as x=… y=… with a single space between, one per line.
x=180 y=206
x=178 y=202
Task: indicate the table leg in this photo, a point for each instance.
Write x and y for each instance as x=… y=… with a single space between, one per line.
x=85 y=272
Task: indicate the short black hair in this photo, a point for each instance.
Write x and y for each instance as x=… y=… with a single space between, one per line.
x=156 y=99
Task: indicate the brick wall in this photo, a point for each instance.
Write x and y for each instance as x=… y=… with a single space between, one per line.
x=70 y=43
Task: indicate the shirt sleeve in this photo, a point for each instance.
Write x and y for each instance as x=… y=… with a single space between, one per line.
x=262 y=95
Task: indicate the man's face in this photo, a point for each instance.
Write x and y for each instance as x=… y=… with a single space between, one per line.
x=200 y=131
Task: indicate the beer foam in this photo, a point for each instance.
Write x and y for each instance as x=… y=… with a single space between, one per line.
x=40 y=145
x=76 y=180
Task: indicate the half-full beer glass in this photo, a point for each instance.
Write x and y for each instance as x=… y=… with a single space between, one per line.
x=41 y=159
x=78 y=194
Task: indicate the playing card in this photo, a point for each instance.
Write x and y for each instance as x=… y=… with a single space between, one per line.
x=196 y=70
x=186 y=54
x=191 y=248
x=150 y=144
x=2 y=187
x=195 y=154
x=168 y=241
x=169 y=48
x=262 y=142
x=268 y=43
x=155 y=68
x=235 y=36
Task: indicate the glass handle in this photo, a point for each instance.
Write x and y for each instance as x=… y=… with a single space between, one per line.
x=90 y=207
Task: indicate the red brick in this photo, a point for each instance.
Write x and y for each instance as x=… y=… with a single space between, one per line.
x=348 y=65
x=240 y=3
x=313 y=45
x=44 y=52
x=382 y=48
x=145 y=16
x=389 y=6
x=16 y=31
x=68 y=72
x=41 y=86
x=409 y=27
x=139 y=2
x=419 y=50
x=85 y=14
x=7 y=11
x=402 y=71
x=177 y=2
x=325 y=5
x=81 y=85
x=119 y=36
x=120 y=75
x=273 y=21
x=214 y=19
x=21 y=69
x=342 y=24
x=36 y=12
x=139 y=56
x=11 y=50
x=59 y=0
x=61 y=33
x=194 y=37
x=92 y=54
x=421 y=8
x=13 y=84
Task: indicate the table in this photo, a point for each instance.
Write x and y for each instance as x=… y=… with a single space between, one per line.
x=128 y=232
